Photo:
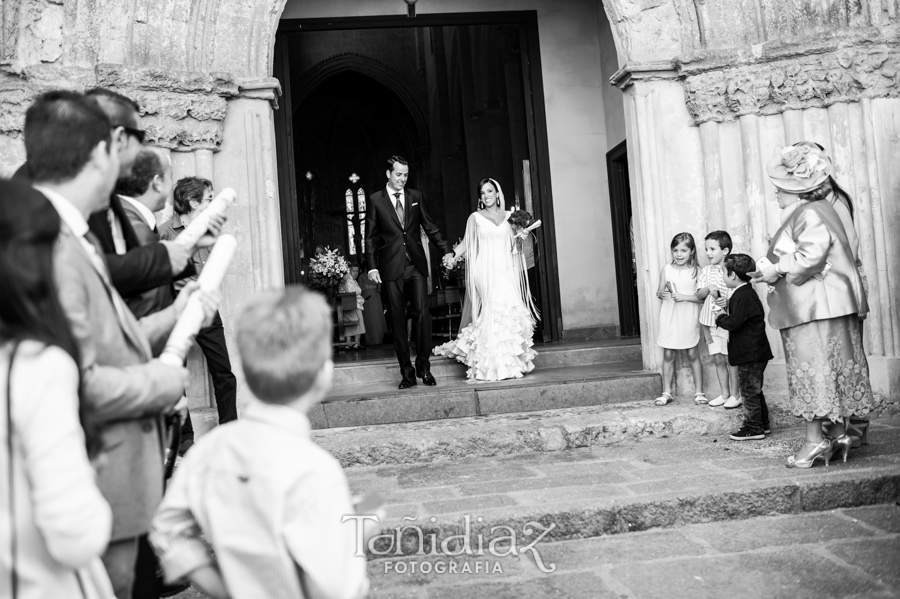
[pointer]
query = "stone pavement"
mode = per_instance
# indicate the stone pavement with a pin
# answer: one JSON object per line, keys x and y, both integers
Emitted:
{"x": 824, "y": 555}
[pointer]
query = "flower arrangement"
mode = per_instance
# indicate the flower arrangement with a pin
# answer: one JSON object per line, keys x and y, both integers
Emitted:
{"x": 327, "y": 269}
{"x": 803, "y": 161}
{"x": 452, "y": 265}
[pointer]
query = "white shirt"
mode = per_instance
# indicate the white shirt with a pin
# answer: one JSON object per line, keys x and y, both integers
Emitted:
{"x": 63, "y": 521}
{"x": 268, "y": 499}
{"x": 118, "y": 236}
{"x": 145, "y": 212}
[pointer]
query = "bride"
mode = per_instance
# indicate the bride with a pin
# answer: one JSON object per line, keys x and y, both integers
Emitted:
{"x": 495, "y": 339}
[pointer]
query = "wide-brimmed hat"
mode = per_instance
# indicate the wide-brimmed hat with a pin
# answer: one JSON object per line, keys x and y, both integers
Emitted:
{"x": 799, "y": 168}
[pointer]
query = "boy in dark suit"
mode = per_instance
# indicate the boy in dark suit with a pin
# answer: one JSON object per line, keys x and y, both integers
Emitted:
{"x": 748, "y": 346}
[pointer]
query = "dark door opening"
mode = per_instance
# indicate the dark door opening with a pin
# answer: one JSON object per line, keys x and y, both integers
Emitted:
{"x": 459, "y": 96}
{"x": 623, "y": 240}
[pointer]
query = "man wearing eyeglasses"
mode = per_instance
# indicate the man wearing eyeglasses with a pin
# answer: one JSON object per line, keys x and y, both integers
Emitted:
{"x": 133, "y": 268}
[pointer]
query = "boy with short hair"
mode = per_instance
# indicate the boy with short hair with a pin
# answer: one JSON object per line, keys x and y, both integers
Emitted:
{"x": 748, "y": 346}
{"x": 269, "y": 501}
{"x": 711, "y": 285}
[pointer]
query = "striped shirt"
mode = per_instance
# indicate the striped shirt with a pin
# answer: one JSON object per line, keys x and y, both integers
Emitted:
{"x": 712, "y": 275}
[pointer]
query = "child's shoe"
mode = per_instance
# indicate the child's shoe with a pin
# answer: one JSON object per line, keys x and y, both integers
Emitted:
{"x": 700, "y": 398}
{"x": 732, "y": 402}
{"x": 715, "y": 403}
{"x": 747, "y": 434}
{"x": 664, "y": 399}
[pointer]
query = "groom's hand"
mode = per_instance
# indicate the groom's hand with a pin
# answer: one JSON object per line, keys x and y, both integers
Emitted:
{"x": 374, "y": 276}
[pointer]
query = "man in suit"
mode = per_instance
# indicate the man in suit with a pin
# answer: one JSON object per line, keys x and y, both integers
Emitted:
{"x": 73, "y": 160}
{"x": 142, "y": 193}
{"x": 134, "y": 267}
{"x": 397, "y": 260}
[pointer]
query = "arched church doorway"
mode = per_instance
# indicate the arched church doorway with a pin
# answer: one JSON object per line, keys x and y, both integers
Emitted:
{"x": 345, "y": 128}
{"x": 460, "y": 96}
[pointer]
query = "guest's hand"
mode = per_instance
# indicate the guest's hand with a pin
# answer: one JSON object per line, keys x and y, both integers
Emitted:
{"x": 768, "y": 274}
{"x": 374, "y": 276}
{"x": 721, "y": 302}
{"x": 178, "y": 256}
{"x": 664, "y": 295}
{"x": 210, "y": 301}
{"x": 181, "y": 408}
{"x": 181, "y": 299}
{"x": 216, "y": 222}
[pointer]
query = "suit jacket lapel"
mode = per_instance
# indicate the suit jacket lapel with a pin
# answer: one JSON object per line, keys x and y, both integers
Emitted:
{"x": 127, "y": 325}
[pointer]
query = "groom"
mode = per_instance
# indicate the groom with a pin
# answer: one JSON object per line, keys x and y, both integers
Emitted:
{"x": 397, "y": 260}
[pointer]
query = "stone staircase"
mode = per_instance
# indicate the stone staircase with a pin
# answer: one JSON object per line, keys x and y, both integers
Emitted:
{"x": 577, "y": 445}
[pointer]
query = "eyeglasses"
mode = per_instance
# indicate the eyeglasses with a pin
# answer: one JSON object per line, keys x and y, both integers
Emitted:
{"x": 138, "y": 134}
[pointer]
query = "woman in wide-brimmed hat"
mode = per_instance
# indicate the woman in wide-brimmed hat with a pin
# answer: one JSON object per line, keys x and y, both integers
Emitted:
{"x": 815, "y": 300}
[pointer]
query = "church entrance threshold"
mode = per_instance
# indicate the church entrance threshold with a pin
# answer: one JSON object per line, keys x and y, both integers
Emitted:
{"x": 566, "y": 375}
{"x": 460, "y": 96}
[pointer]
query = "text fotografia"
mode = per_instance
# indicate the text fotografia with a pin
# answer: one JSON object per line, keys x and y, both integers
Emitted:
{"x": 412, "y": 566}
{"x": 503, "y": 541}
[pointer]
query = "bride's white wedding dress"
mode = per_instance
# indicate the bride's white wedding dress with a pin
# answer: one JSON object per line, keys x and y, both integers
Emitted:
{"x": 496, "y": 343}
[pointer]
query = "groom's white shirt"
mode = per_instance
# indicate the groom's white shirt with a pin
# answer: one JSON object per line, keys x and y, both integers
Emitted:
{"x": 393, "y": 200}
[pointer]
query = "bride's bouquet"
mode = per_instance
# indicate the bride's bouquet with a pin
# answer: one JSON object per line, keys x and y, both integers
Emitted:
{"x": 522, "y": 224}
{"x": 454, "y": 266}
{"x": 327, "y": 269}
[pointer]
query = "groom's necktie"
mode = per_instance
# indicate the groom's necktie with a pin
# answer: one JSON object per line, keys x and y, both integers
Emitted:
{"x": 398, "y": 205}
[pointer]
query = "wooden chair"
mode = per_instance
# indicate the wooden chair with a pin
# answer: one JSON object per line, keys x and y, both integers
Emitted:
{"x": 340, "y": 303}
{"x": 447, "y": 308}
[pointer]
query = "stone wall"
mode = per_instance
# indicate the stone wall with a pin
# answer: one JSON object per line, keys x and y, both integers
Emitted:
{"x": 709, "y": 88}
{"x": 702, "y": 126}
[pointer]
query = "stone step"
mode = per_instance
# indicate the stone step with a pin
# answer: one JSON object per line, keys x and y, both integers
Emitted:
{"x": 629, "y": 487}
{"x": 541, "y": 431}
{"x": 543, "y": 389}
{"x": 385, "y": 369}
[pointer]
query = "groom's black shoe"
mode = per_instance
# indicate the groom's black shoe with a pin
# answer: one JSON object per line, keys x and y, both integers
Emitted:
{"x": 428, "y": 379}
{"x": 409, "y": 379}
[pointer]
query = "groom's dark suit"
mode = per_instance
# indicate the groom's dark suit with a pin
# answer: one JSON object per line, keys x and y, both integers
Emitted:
{"x": 395, "y": 250}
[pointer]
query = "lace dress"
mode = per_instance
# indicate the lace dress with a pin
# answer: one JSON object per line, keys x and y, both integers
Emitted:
{"x": 497, "y": 343}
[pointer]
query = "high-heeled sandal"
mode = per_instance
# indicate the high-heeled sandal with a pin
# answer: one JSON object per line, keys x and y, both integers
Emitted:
{"x": 842, "y": 444}
{"x": 858, "y": 430}
{"x": 822, "y": 450}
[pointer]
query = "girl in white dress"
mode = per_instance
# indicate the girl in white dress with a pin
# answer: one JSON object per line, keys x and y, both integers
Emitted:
{"x": 679, "y": 318}
{"x": 495, "y": 339}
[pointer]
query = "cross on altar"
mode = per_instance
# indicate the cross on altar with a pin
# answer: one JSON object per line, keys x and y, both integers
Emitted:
{"x": 354, "y": 178}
